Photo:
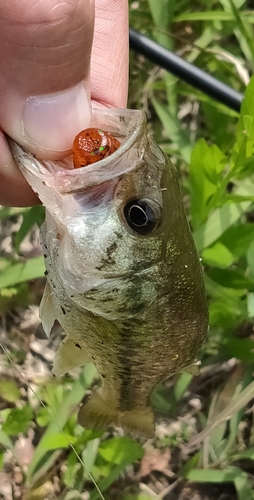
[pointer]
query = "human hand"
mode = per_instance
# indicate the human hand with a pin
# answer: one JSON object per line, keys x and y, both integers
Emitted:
{"x": 45, "y": 78}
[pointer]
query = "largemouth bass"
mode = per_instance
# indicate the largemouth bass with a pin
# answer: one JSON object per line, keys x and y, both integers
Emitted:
{"x": 123, "y": 275}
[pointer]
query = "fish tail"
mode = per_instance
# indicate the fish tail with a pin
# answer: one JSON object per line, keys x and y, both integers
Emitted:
{"x": 140, "y": 422}
{"x": 97, "y": 413}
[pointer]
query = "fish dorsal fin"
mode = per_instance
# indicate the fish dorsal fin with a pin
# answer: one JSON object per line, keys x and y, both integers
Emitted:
{"x": 47, "y": 310}
{"x": 69, "y": 355}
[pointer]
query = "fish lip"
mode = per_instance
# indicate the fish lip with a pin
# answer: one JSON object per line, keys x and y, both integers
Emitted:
{"x": 60, "y": 174}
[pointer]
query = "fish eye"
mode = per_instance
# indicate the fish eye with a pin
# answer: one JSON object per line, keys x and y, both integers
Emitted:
{"x": 140, "y": 216}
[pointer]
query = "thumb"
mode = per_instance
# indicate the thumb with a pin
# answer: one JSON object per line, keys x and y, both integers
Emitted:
{"x": 45, "y": 55}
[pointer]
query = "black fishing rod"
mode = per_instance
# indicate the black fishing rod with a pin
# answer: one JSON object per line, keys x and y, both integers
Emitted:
{"x": 185, "y": 70}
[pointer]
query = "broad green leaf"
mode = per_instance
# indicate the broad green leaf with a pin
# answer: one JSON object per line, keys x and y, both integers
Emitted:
{"x": 181, "y": 385}
{"x": 233, "y": 313}
{"x": 217, "y": 223}
{"x": 19, "y": 420}
{"x": 234, "y": 309}
{"x": 238, "y": 239}
{"x": 214, "y": 163}
{"x": 117, "y": 449}
{"x": 205, "y": 169}
{"x": 161, "y": 12}
{"x": 17, "y": 272}
{"x": 4, "y": 264}
{"x": 230, "y": 278}
{"x": 234, "y": 198}
{"x": 248, "y": 124}
{"x": 247, "y": 110}
{"x": 7, "y": 212}
{"x": 35, "y": 215}
{"x": 58, "y": 440}
{"x": 12, "y": 297}
{"x": 192, "y": 463}
{"x": 5, "y": 441}
{"x": 9, "y": 390}
{"x": 43, "y": 418}
{"x": 223, "y": 218}
{"x": 218, "y": 255}
{"x": 241, "y": 158}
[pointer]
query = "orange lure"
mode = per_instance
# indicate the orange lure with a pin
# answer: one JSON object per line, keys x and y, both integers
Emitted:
{"x": 92, "y": 145}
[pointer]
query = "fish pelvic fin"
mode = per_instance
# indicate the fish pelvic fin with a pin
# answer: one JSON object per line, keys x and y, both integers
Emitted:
{"x": 96, "y": 413}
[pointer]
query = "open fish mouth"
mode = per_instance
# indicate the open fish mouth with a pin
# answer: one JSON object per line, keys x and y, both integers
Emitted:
{"x": 126, "y": 125}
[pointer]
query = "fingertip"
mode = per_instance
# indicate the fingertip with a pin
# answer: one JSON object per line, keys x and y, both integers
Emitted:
{"x": 14, "y": 189}
{"x": 50, "y": 123}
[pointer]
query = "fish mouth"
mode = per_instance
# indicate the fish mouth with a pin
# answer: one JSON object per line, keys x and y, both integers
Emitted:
{"x": 128, "y": 126}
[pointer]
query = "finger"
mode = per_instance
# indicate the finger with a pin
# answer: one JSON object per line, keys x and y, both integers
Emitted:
{"x": 44, "y": 78}
{"x": 110, "y": 53}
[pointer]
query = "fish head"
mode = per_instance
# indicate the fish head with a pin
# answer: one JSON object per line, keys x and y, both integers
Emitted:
{"x": 111, "y": 227}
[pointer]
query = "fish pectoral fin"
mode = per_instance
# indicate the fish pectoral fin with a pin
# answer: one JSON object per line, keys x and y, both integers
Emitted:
{"x": 192, "y": 369}
{"x": 47, "y": 311}
{"x": 69, "y": 355}
{"x": 98, "y": 413}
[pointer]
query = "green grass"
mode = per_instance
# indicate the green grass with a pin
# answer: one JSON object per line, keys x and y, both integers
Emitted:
{"x": 212, "y": 148}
